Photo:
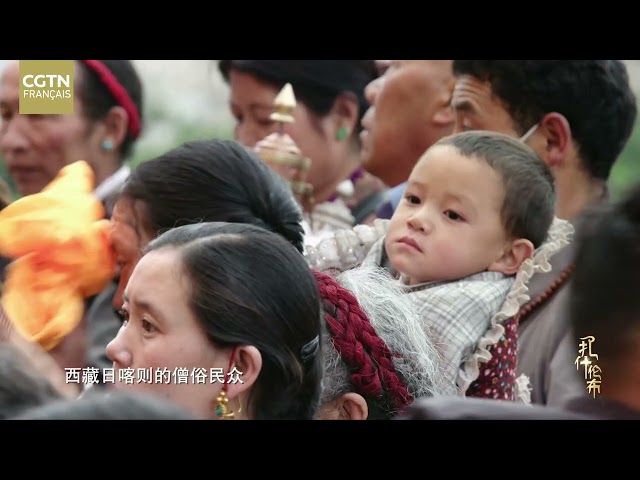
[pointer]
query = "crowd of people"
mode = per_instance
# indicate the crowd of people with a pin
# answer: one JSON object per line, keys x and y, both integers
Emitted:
{"x": 457, "y": 255}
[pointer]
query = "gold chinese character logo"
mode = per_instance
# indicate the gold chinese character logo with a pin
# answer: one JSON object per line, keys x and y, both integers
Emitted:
{"x": 587, "y": 360}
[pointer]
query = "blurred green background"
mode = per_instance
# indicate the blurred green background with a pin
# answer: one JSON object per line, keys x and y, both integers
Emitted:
{"x": 626, "y": 171}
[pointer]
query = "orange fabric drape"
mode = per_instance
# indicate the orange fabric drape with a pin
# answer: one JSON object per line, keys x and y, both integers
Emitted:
{"x": 60, "y": 242}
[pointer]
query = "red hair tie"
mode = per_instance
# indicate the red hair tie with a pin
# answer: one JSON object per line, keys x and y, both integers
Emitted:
{"x": 116, "y": 89}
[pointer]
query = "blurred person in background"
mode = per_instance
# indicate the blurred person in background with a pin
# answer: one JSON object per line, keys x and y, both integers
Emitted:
{"x": 112, "y": 406}
{"x": 410, "y": 111}
{"x": 330, "y": 105}
{"x": 21, "y": 384}
{"x": 604, "y": 310}
{"x": 103, "y": 130}
{"x": 577, "y": 115}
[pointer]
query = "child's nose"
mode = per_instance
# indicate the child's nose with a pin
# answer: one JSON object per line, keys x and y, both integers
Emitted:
{"x": 421, "y": 221}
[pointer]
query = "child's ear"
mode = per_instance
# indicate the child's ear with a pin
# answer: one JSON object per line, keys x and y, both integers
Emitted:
{"x": 514, "y": 256}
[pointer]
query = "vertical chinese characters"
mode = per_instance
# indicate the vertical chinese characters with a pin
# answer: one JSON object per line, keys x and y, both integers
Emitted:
{"x": 587, "y": 359}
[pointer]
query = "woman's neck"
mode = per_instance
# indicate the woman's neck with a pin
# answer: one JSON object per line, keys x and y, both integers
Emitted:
{"x": 327, "y": 192}
{"x": 104, "y": 169}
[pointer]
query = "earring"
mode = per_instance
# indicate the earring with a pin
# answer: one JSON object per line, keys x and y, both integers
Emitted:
{"x": 342, "y": 133}
{"x": 222, "y": 407}
{"x": 222, "y": 401}
{"x": 107, "y": 145}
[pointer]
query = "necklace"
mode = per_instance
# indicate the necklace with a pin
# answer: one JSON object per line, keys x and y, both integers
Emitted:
{"x": 528, "y": 308}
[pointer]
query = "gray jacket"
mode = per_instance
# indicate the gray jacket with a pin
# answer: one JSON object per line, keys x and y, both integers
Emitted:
{"x": 546, "y": 349}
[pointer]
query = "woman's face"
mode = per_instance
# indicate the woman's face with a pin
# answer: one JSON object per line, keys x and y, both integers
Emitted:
{"x": 162, "y": 347}
{"x": 251, "y": 104}
{"x": 35, "y": 147}
{"x": 128, "y": 238}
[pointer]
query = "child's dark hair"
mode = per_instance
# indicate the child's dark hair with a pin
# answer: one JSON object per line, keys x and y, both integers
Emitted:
{"x": 529, "y": 200}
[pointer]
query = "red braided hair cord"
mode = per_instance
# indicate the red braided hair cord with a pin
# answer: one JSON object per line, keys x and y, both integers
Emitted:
{"x": 359, "y": 345}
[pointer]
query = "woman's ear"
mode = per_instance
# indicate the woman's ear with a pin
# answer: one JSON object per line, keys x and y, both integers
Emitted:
{"x": 115, "y": 124}
{"x": 345, "y": 115}
{"x": 514, "y": 256}
{"x": 245, "y": 370}
{"x": 352, "y": 406}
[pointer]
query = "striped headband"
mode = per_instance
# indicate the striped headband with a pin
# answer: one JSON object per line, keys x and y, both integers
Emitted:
{"x": 118, "y": 92}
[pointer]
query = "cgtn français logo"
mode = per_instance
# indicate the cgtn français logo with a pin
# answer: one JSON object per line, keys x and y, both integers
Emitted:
{"x": 46, "y": 86}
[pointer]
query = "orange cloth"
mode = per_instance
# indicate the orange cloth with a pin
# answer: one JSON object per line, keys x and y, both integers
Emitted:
{"x": 60, "y": 242}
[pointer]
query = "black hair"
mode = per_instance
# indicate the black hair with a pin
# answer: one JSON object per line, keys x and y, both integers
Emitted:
{"x": 249, "y": 286}
{"x": 316, "y": 83}
{"x": 595, "y": 96}
{"x": 529, "y": 201}
{"x": 603, "y": 300}
{"x": 214, "y": 181}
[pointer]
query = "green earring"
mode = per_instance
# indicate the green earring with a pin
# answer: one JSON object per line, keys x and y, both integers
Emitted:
{"x": 107, "y": 145}
{"x": 342, "y": 133}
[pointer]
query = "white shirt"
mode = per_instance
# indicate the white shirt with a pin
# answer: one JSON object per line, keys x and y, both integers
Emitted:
{"x": 112, "y": 183}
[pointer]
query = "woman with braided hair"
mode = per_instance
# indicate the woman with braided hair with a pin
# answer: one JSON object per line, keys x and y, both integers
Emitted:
{"x": 378, "y": 358}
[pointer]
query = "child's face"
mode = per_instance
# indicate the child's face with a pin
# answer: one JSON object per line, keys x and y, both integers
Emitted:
{"x": 448, "y": 225}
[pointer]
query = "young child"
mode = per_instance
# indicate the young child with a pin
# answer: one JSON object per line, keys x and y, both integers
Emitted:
{"x": 477, "y": 206}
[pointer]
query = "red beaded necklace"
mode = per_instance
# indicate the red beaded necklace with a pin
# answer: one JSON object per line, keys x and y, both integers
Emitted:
{"x": 526, "y": 310}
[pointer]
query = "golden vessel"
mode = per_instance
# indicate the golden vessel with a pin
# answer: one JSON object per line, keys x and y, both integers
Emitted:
{"x": 281, "y": 153}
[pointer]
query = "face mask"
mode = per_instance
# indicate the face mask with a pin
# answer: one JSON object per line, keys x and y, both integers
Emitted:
{"x": 530, "y": 132}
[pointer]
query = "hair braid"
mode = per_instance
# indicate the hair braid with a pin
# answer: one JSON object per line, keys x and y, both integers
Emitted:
{"x": 358, "y": 343}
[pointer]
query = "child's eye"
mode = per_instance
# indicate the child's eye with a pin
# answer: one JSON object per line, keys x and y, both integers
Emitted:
{"x": 412, "y": 199}
{"x": 455, "y": 216}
